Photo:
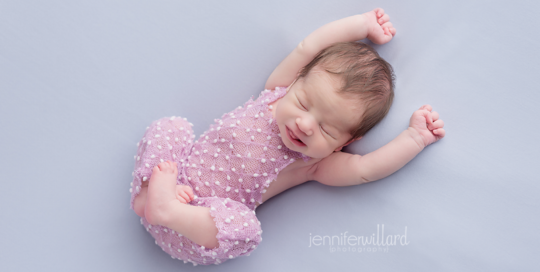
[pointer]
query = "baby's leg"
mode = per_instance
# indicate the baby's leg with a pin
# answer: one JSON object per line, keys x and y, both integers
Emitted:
{"x": 164, "y": 209}
{"x": 207, "y": 230}
{"x": 165, "y": 139}
{"x": 139, "y": 203}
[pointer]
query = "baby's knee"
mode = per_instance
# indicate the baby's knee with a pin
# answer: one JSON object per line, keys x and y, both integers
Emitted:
{"x": 169, "y": 134}
{"x": 173, "y": 124}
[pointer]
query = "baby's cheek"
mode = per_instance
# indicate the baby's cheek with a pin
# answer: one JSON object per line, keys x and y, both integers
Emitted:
{"x": 321, "y": 150}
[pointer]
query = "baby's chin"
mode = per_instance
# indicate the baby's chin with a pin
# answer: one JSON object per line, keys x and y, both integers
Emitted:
{"x": 304, "y": 150}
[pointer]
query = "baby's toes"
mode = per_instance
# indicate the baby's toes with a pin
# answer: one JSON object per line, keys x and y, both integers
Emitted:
{"x": 166, "y": 167}
{"x": 179, "y": 193}
{"x": 184, "y": 196}
{"x": 156, "y": 169}
{"x": 173, "y": 167}
{"x": 162, "y": 166}
{"x": 189, "y": 191}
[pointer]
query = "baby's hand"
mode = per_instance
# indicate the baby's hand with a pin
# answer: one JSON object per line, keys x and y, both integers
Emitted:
{"x": 380, "y": 29}
{"x": 184, "y": 193}
{"x": 427, "y": 124}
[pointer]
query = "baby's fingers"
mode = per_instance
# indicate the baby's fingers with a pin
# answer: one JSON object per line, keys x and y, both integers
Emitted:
{"x": 385, "y": 18}
{"x": 387, "y": 28}
{"x": 435, "y": 115}
{"x": 388, "y": 25}
{"x": 426, "y": 107}
{"x": 428, "y": 117}
{"x": 379, "y": 12}
{"x": 439, "y": 132}
{"x": 437, "y": 124}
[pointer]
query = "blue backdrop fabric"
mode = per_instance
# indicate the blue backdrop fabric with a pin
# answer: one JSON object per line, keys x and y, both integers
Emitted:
{"x": 81, "y": 80}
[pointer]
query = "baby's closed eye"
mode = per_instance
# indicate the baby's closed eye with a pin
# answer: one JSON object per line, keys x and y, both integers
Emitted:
{"x": 302, "y": 105}
{"x": 325, "y": 131}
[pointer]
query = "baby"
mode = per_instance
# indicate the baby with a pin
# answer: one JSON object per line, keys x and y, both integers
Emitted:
{"x": 198, "y": 199}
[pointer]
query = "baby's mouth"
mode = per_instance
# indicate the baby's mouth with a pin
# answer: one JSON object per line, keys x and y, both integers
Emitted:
{"x": 295, "y": 139}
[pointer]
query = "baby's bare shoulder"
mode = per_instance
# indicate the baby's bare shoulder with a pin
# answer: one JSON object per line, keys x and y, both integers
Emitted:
{"x": 294, "y": 174}
{"x": 300, "y": 170}
{"x": 336, "y": 170}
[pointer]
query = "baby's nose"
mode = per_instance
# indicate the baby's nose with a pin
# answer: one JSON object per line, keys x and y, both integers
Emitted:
{"x": 303, "y": 125}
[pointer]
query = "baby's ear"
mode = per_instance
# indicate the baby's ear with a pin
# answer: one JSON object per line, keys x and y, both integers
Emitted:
{"x": 352, "y": 140}
{"x": 347, "y": 143}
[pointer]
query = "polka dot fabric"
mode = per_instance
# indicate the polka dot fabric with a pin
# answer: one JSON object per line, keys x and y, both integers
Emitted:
{"x": 229, "y": 168}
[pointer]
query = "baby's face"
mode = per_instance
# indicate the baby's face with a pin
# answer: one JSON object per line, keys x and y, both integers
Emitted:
{"x": 313, "y": 118}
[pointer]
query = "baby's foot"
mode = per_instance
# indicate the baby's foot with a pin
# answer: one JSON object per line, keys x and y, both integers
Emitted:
{"x": 140, "y": 201}
{"x": 161, "y": 193}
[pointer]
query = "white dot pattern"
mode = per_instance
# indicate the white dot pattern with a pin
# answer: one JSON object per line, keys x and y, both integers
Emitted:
{"x": 229, "y": 167}
{"x": 237, "y": 161}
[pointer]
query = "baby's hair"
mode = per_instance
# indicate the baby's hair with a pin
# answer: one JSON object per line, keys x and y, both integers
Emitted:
{"x": 364, "y": 74}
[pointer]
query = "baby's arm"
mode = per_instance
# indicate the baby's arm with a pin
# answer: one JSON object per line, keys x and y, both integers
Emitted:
{"x": 374, "y": 25}
{"x": 343, "y": 169}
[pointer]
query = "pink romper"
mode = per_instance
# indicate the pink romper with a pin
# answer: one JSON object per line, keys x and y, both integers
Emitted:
{"x": 229, "y": 168}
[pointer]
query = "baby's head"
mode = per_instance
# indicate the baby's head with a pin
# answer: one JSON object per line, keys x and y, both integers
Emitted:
{"x": 337, "y": 98}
